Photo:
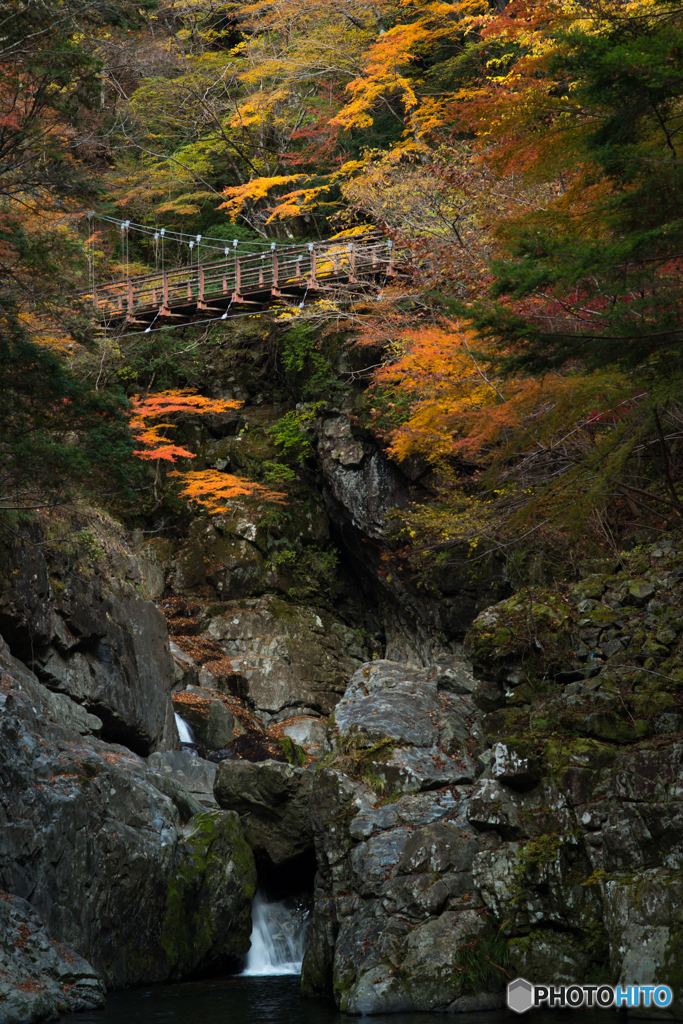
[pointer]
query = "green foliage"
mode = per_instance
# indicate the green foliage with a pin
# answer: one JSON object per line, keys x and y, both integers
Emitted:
{"x": 54, "y": 428}
{"x": 306, "y": 366}
{"x": 483, "y": 961}
{"x": 277, "y": 475}
{"x": 88, "y": 540}
{"x": 293, "y": 431}
{"x": 315, "y": 570}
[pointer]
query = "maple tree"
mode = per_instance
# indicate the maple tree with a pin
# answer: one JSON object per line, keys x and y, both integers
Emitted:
{"x": 510, "y": 453}
{"x": 210, "y": 489}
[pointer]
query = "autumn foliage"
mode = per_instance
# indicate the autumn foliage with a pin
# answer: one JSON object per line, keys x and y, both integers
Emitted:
{"x": 210, "y": 489}
{"x": 523, "y": 157}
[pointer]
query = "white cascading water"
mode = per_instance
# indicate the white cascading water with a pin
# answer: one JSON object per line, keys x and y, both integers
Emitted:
{"x": 184, "y": 732}
{"x": 278, "y": 939}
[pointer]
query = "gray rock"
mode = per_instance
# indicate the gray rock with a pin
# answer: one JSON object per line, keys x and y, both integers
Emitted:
{"x": 185, "y": 671}
{"x": 71, "y": 715}
{"x": 142, "y": 899}
{"x": 423, "y": 896}
{"x": 639, "y": 593}
{"x": 97, "y": 642}
{"x": 284, "y": 658}
{"x": 369, "y": 942}
{"x": 57, "y": 707}
{"x": 399, "y": 715}
{"x": 455, "y": 677}
{"x": 612, "y": 647}
{"x": 489, "y": 696}
{"x": 643, "y": 918}
{"x": 379, "y": 990}
{"x": 212, "y": 556}
{"x": 429, "y": 967}
{"x": 374, "y": 861}
{"x": 309, "y": 733}
{"x": 437, "y": 848}
{"x": 413, "y": 811}
{"x": 335, "y": 798}
{"x": 669, "y": 723}
{"x": 382, "y": 675}
{"x": 549, "y": 954}
{"x": 195, "y": 774}
{"x": 126, "y": 680}
{"x": 360, "y": 482}
{"x": 509, "y": 768}
{"x": 318, "y": 964}
{"x": 186, "y": 804}
{"x": 410, "y": 769}
{"x": 493, "y": 806}
{"x": 273, "y": 800}
{"x": 496, "y": 876}
{"x": 39, "y": 978}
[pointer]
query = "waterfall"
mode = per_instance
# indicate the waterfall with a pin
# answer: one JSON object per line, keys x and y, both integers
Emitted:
{"x": 278, "y": 938}
{"x": 184, "y": 731}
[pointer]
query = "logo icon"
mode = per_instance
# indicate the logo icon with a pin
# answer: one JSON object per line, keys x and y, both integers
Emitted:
{"x": 520, "y": 995}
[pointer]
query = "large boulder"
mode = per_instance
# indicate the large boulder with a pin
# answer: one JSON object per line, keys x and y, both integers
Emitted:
{"x": 284, "y": 660}
{"x": 230, "y": 564}
{"x": 140, "y": 895}
{"x": 186, "y": 769}
{"x": 273, "y": 800}
{"x": 423, "y": 735}
{"x": 308, "y": 733}
{"x": 91, "y": 636}
{"x": 395, "y": 905}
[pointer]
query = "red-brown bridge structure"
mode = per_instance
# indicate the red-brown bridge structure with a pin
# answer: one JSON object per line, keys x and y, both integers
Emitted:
{"x": 249, "y": 283}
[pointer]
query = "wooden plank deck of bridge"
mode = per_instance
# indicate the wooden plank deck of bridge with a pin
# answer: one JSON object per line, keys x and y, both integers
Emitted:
{"x": 240, "y": 283}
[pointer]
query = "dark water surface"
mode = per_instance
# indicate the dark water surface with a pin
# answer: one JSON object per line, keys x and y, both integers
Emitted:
{"x": 240, "y": 1000}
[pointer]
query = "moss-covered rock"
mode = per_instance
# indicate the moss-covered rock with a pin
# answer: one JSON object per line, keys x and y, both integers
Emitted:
{"x": 208, "y": 902}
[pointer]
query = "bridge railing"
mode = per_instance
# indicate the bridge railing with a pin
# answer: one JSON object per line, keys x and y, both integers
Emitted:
{"x": 294, "y": 267}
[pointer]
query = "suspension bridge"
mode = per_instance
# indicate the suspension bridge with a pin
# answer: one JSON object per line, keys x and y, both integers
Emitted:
{"x": 252, "y": 282}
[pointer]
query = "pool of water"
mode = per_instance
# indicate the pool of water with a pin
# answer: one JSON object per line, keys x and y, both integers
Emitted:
{"x": 272, "y": 1000}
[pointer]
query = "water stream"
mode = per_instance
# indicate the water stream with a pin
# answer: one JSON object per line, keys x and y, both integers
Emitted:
{"x": 278, "y": 937}
{"x": 184, "y": 732}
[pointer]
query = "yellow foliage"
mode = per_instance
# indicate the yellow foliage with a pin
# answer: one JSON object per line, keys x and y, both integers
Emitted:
{"x": 253, "y": 191}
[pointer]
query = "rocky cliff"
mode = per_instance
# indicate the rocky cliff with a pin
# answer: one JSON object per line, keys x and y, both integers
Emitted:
{"x": 112, "y": 872}
{"x": 457, "y": 814}
{"x": 520, "y": 820}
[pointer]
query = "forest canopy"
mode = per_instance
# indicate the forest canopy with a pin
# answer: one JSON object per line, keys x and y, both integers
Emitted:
{"x": 524, "y": 160}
